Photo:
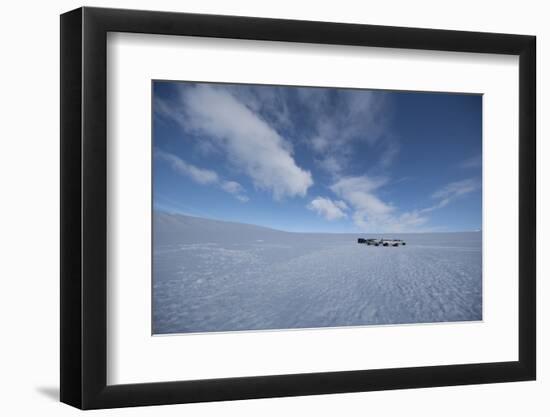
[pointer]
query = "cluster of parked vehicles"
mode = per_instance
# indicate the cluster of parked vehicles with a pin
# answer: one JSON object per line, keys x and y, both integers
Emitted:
{"x": 381, "y": 242}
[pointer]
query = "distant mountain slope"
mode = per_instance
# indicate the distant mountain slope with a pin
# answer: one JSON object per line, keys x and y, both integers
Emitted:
{"x": 179, "y": 228}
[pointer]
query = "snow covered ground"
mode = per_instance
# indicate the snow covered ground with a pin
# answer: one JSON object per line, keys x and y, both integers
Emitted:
{"x": 211, "y": 276}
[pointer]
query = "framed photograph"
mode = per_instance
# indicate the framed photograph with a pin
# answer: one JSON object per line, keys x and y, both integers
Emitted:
{"x": 259, "y": 208}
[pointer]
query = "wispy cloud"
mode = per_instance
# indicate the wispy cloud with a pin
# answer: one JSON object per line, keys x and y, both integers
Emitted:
{"x": 331, "y": 164}
{"x": 199, "y": 175}
{"x": 359, "y": 192}
{"x": 251, "y": 144}
{"x": 345, "y": 119}
{"x": 202, "y": 176}
{"x": 372, "y": 214}
{"x": 329, "y": 209}
{"x": 233, "y": 187}
{"x": 269, "y": 102}
{"x": 456, "y": 189}
{"x": 472, "y": 162}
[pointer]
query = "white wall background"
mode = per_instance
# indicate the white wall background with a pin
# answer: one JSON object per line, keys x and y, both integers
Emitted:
{"x": 29, "y": 237}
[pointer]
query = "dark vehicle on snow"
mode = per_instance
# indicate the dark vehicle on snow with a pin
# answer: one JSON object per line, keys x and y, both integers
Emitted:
{"x": 383, "y": 242}
{"x": 369, "y": 242}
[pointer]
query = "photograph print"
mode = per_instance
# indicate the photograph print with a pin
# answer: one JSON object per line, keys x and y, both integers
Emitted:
{"x": 293, "y": 207}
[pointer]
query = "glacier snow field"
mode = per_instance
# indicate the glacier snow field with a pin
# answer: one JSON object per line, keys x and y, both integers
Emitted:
{"x": 217, "y": 276}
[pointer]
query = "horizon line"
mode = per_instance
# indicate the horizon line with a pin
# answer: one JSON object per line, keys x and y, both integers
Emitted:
{"x": 162, "y": 211}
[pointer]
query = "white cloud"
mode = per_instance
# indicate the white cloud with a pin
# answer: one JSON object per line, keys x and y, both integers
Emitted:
{"x": 457, "y": 189}
{"x": 319, "y": 143}
{"x": 451, "y": 192}
{"x": 372, "y": 214}
{"x": 202, "y": 176}
{"x": 242, "y": 198}
{"x": 329, "y": 209}
{"x": 341, "y": 204}
{"x": 473, "y": 162}
{"x": 345, "y": 118}
{"x": 233, "y": 187}
{"x": 389, "y": 153}
{"x": 249, "y": 142}
{"x": 269, "y": 101}
{"x": 359, "y": 192}
{"x": 331, "y": 164}
{"x": 199, "y": 175}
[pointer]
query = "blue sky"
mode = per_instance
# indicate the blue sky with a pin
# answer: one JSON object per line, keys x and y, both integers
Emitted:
{"x": 318, "y": 159}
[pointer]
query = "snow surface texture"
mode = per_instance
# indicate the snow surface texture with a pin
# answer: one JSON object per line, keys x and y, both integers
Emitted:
{"x": 215, "y": 276}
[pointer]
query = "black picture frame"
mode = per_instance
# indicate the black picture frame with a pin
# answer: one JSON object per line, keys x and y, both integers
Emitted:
{"x": 84, "y": 207}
